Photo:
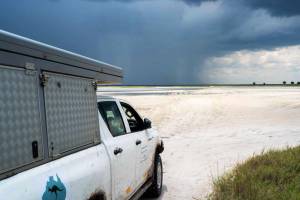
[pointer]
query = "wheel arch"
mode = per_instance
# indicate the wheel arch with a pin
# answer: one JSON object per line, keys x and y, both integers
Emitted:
{"x": 99, "y": 195}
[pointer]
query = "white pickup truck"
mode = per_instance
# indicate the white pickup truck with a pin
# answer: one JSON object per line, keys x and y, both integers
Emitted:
{"x": 59, "y": 140}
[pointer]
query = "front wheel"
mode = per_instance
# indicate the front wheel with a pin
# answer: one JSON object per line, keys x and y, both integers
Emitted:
{"x": 157, "y": 178}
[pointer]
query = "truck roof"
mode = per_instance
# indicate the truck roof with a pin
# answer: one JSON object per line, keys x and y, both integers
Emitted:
{"x": 105, "y": 97}
{"x": 17, "y": 44}
{"x": 110, "y": 98}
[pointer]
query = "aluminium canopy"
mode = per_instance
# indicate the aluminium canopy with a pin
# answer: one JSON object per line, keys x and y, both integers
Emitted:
{"x": 54, "y": 59}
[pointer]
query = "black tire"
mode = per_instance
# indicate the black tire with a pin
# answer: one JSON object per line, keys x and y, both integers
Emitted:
{"x": 155, "y": 190}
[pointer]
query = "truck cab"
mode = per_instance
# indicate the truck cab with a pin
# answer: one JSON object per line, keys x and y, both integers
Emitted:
{"x": 132, "y": 145}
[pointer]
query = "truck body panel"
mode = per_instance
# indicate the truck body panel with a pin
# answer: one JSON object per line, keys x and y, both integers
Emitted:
{"x": 78, "y": 175}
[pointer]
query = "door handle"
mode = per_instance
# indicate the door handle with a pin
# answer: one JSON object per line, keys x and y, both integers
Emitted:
{"x": 118, "y": 150}
{"x": 138, "y": 142}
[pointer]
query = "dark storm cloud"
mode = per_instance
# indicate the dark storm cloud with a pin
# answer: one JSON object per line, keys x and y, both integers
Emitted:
{"x": 157, "y": 42}
{"x": 277, "y": 7}
{"x": 195, "y": 2}
{"x": 186, "y": 1}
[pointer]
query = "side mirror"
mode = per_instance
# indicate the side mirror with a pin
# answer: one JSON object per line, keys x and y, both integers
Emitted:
{"x": 147, "y": 123}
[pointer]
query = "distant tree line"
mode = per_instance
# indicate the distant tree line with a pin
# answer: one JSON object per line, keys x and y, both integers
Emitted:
{"x": 283, "y": 83}
{"x": 292, "y": 83}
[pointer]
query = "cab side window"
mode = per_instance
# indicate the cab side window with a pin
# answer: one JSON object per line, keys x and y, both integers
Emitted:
{"x": 112, "y": 116}
{"x": 134, "y": 120}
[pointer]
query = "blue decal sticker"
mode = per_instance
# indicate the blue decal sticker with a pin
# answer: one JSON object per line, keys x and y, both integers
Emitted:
{"x": 55, "y": 189}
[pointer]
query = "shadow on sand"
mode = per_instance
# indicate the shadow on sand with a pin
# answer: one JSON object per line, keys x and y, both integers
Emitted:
{"x": 164, "y": 190}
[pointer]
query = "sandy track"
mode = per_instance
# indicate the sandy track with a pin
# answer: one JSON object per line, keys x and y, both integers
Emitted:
{"x": 206, "y": 131}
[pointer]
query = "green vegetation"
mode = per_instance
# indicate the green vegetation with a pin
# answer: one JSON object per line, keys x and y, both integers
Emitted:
{"x": 274, "y": 175}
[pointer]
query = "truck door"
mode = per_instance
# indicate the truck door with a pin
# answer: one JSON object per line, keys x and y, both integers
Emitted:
{"x": 21, "y": 139}
{"x": 143, "y": 142}
{"x": 122, "y": 150}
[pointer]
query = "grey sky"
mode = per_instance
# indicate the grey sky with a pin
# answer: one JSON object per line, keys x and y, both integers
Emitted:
{"x": 160, "y": 41}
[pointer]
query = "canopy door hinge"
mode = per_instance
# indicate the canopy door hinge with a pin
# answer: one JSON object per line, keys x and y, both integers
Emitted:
{"x": 95, "y": 85}
{"x": 44, "y": 79}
